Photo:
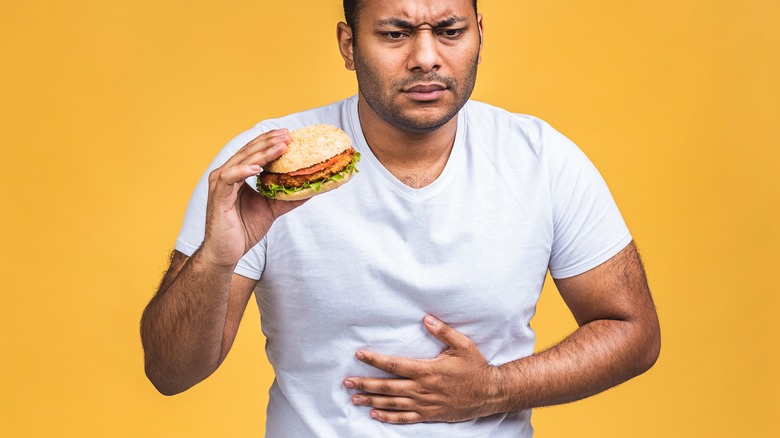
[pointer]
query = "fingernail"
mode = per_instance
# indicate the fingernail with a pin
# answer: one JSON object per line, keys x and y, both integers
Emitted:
{"x": 374, "y": 415}
{"x": 360, "y": 355}
{"x": 431, "y": 321}
{"x": 357, "y": 400}
{"x": 349, "y": 384}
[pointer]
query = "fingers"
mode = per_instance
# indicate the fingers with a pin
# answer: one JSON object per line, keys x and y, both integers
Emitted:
{"x": 439, "y": 389}
{"x": 390, "y": 409}
{"x": 389, "y": 394}
{"x": 393, "y": 387}
{"x": 383, "y": 402}
{"x": 399, "y": 366}
{"x": 227, "y": 176}
{"x": 262, "y": 149}
{"x": 399, "y": 417}
{"x": 248, "y": 161}
{"x": 446, "y": 334}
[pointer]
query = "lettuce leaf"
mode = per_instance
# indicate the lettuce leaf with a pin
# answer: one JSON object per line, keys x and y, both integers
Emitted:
{"x": 270, "y": 191}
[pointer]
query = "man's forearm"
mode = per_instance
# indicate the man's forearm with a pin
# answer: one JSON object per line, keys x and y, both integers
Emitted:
{"x": 596, "y": 357}
{"x": 183, "y": 326}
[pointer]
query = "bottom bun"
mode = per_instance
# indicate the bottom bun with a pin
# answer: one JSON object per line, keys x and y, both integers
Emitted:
{"x": 309, "y": 192}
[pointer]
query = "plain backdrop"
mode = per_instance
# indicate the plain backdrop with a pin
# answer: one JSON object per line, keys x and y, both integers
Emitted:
{"x": 111, "y": 110}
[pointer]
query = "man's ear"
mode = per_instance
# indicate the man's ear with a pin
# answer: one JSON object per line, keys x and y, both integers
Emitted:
{"x": 344, "y": 35}
{"x": 481, "y": 36}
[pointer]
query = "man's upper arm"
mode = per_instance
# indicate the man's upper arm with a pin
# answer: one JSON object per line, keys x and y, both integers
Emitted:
{"x": 617, "y": 289}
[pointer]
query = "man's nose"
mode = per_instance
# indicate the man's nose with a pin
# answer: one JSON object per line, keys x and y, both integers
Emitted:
{"x": 424, "y": 54}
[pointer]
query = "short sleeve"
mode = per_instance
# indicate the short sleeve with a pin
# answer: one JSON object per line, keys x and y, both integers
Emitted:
{"x": 193, "y": 227}
{"x": 588, "y": 228}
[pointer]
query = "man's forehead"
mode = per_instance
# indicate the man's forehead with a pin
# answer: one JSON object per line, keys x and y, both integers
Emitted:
{"x": 416, "y": 12}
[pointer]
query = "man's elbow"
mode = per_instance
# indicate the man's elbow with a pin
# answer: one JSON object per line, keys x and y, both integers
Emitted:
{"x": 167, "y": 383}
{"x": 650, "y": 347}
{"x": 162, "y": 385}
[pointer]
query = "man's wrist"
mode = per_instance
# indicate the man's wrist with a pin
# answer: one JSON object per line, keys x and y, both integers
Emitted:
{"x": 494, "y": 400}
{"x": 204, "y": 260}
{"x": 503, "y": 396}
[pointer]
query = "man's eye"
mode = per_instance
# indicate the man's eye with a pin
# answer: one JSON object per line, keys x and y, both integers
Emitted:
{"x": 451, "y": 33}
{"x": 394, "y": 35}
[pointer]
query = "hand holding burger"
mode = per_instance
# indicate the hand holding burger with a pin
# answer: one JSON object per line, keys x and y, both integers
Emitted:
{"x": 319, "y": 158}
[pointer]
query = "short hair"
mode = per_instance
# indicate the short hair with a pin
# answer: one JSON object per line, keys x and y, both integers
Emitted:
{"x": 351, "y": 9}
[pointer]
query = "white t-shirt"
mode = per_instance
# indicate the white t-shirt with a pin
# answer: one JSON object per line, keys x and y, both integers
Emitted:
{"x": 359, "y": 267}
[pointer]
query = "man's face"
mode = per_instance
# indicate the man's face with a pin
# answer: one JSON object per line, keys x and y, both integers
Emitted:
{"x": 416, "y": 60}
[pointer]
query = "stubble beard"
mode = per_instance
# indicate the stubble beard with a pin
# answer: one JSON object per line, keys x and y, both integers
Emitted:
{"x": 381, "y": 100}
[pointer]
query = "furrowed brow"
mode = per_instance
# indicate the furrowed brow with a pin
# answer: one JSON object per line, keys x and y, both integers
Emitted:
{"x": 395, "y": 22}
{"x": 449, "y": 22}
{"x": 404, "y": 24}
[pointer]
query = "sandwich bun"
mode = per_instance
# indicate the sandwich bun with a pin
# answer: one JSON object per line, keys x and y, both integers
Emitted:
{"x": 318, "y": 159}
{"x": 310, "y": 145}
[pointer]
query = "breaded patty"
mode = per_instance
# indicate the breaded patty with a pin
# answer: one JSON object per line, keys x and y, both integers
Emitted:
{"x": 283, "y": 179}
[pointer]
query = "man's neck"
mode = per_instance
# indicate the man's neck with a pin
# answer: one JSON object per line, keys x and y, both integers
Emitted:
{"x": 416, "y": 159}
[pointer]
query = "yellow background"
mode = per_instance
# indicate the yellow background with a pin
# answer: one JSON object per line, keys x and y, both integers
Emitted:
{"x": 112, "y": 109}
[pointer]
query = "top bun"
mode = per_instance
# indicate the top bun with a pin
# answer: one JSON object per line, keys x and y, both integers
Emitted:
{"x": 310, "y": 145}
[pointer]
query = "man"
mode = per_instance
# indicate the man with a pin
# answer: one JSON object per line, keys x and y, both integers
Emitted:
{"x": 399, "y": 304}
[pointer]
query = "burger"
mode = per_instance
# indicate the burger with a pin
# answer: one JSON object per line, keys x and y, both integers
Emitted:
{"x": 318, "y": 159}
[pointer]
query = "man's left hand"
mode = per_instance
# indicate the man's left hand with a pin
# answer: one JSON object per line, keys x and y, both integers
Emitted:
{"x": 457, "y": 385}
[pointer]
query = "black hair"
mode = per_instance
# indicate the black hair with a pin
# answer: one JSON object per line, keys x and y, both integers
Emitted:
{"x": 351, "y": 9}
{"x": 350, "y": 12}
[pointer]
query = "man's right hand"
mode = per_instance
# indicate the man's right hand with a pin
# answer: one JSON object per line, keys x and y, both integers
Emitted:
{"x": 237, "y": 217}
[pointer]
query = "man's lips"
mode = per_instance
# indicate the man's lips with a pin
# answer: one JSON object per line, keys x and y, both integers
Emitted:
{"x": 425, "y": 92}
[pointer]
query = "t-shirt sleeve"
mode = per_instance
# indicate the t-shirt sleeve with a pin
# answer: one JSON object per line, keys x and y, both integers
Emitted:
{"x": 588, "y": 228}
{"x": 193, "y": 228}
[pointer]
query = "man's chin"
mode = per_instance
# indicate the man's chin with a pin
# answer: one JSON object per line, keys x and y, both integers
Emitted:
{"x": 423, "y": 119}
{"x": 419, "y": 125}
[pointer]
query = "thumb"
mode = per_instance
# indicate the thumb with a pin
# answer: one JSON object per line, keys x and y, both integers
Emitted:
{"x": 446, "y": 334}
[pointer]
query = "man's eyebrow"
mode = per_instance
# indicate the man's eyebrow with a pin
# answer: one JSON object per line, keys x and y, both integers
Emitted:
{"x": 395, "y": 22}
{"x": 451, "y": 21}
{"x": 404, "y": 24}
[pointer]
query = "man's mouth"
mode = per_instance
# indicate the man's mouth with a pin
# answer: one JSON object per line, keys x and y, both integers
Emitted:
{"x": 425, "y": 92}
